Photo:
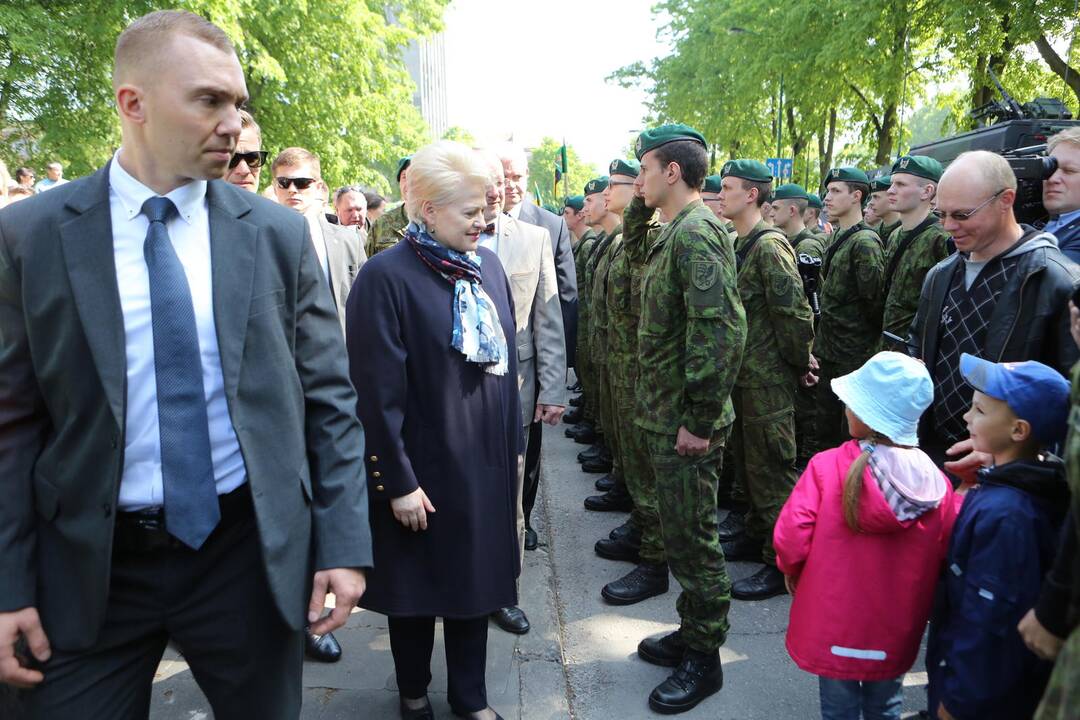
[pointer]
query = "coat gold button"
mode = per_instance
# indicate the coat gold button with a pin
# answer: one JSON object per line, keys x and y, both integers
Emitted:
{"x": 374, "y": 458}
{"x": 376, "y": 474}
{"x": 380, "y": 488}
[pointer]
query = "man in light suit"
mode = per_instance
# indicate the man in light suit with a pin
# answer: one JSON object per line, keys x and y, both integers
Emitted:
{"x": 298, "y": 184}
{"x": 516, "y": 204}
{"x": 180, "y": 458}
{"x": 526, "y": 256}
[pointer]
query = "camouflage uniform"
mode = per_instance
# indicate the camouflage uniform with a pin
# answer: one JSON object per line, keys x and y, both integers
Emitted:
{"x": 779, "y": 333}
{"x": 583, "y": 364}
{"x": 852, "y": 274}
{"x": 927, "y": 245}
{"x": 387, "y": 230}
{"x": 885, "y": 231}
{"x": 806, "y": 242}
{"x": 624, "y": 312}
{"x": 592, "y": 372}
{"x": 690, "y": 344}
{"x": 598, "y": 346}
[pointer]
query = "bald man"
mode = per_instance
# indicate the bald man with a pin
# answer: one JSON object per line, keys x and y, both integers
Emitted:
{"x": 1004, "y": 296}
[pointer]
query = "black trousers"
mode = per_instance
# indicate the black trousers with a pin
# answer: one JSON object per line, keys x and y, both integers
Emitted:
{"x": 532, "y": 470}
{"x": 411, "y": 642}
{"x": 214, "y": 604}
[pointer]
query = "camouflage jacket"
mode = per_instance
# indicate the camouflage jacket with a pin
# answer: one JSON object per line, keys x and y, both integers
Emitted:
{"x": 584, "y": 297}
{"x": 807, "y": 243}
{"x": 885, "y": 231}
{"x": 624, "y": 293}
{"x": 852, "y": 275}
{"x": 779, "y": 322}
{"x": 905, "y": 269}
{"x": 693, "y": 328}
{"x": 387, "y": 230}
{"x": 598, "y": 312}
{"x": 575, "y": 246}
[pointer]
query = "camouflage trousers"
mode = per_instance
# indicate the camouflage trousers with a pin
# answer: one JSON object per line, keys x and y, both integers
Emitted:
{"x": 1061, "y": 701}
{"x": 608, "y": 419}
{"x": 686, "y": 501}
{"x": 763, "y": 446}
{"x": 831, "y": 425}
{"x": 634, "y": 460}
{"x": 805, "y": 416}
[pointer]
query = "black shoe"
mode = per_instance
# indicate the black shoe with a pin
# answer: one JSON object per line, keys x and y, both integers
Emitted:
{"x": 625, "y": 548}
{"x": 599, "y": 465}
{"x": 511, "y": 619}
{"x": 575, "y": 388}
{"x": 587, "y": 436}
{"x": 605, "y": 483}
{"x": 422, "y": 713}
{"x": 623, "y": 530}
{"x": 643, "y": 582}
{"x": 666, "y": 650}
{"x": 742, "y": 548}
{"x": 736, "y": 506}
{"x": 732, "y": 527}
{"x": 531, "y": 540}
{"x": 573, "y": 430}
{"x": 323, "y": 648}
{"x": 698, "y": 676}
{"x": 765, "y": 583}
{"x": 593, "y": 452}
{"x": 618, "y": 500}
{"x": 573, "y": 416}
{"x": 576, "y": 401}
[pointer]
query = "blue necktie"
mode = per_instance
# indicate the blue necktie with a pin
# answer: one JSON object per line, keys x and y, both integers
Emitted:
{"x": 191, "y": 503}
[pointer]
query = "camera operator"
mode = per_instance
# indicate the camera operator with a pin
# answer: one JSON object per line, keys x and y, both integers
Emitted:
{"x": 1061, "y": 192}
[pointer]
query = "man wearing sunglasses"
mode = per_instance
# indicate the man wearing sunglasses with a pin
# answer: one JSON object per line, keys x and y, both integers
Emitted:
{"x": 248, "y": 157}
{"x": 1003, "y": 296}
{"x": 298, "y": 185}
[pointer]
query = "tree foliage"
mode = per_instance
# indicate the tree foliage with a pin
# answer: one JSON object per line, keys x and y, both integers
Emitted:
{"x": 542, "y": 163}
{"x": 326, "y": 75}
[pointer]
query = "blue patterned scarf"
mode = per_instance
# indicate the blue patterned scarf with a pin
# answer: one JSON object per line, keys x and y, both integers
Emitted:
{"x": 478, "y": 334}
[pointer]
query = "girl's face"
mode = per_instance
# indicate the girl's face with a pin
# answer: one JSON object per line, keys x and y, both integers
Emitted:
{"x": 856, "y": 427}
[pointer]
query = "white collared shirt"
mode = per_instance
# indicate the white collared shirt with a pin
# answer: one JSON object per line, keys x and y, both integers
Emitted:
{"x": 491, "y": 241}
{"x": 189, "y": 230}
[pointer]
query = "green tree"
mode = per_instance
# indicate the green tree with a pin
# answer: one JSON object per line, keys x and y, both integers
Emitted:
{"x": 323, "y": 75}
{"x": 542, "y": 162}
{"x": 459, "y": 134}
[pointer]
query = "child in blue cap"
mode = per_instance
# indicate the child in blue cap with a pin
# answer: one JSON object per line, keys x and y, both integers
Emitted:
{"x": 1002, "y": 545}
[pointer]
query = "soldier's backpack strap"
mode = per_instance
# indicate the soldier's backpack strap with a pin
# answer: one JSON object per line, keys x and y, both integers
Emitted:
{"x": 836, "y": 245}
{"x": 744, "y": 251}
{"x": 909, "y": 238}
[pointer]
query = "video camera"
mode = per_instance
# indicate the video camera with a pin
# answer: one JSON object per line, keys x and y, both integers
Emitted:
{"x": 809, "y": 270}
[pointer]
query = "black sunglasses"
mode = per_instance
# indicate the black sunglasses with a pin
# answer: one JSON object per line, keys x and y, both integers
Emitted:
{"x": 300, "y": 182}
{"x": 254, "y": 159}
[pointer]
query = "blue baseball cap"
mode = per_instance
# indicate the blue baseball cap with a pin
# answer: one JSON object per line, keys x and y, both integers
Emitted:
{"x": 1037, "y": 393}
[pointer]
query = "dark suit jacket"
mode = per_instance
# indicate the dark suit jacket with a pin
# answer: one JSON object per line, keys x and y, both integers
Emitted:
{"x": 565, "y": 270}
{"x": 63, "y": 395}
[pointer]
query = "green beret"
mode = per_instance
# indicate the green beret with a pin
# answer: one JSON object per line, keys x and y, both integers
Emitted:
{"x": 577, "y": 202}
{"x": 655, "y": 137}
{"x": 790, "y": 191}
{"x": 401, "y": 165}
{"x": 712, "y": 184}
{"x": 624, "y": 167}
{"x": 752, "y": 170}
{"x": 846, "y": 174}
{"x": 815, "y": 201}
{"x": 596, "y": 185}
{"x": 919, "y": 166}
{"x": 880, "y": 183}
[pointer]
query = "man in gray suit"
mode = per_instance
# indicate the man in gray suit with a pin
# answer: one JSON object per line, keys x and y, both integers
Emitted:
{"x": 525, "y": 253}
{"x": 179, "y": 454}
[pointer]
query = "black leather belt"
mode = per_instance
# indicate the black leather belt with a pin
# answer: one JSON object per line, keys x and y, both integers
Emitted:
{"x": 143, "y": 531}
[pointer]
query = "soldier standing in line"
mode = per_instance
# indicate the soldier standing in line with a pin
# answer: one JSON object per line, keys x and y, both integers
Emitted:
{"x": 887, "y": 218}
{"x": 812, "y": 216}
{"x": 852, "y": 274}
{"x": 690, "y": 344}
{"x": 779, "y": 334}
{"x": 390, "y": 227}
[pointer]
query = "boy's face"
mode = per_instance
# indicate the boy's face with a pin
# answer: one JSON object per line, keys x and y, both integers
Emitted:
{"x": 993, "y": 425}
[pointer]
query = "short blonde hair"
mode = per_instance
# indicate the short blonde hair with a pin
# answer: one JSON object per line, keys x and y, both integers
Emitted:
{"x": 441, "y": 172}
{"x": 248, "y": 121}
{"x": 293, "y": 156}
{"x": 1069, "y": 135}
{"x": 143, "y": 39}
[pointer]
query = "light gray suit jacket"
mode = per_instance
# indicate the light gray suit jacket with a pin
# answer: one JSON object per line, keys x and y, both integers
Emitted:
{"x": 63, "y": 400}
{"x": 344, "y": 254}
{"x": 527, "y": 258}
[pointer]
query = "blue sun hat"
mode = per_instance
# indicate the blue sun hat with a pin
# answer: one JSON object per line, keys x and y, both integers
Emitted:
{"x": 889, "y": 393}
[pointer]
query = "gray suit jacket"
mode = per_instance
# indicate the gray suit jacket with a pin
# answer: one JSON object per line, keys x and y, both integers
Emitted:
{"x": 565, "y": 270}
{"x": 63, "y": 397}
{"x": 525, "y": 254}
{"x": 344, "y": 254}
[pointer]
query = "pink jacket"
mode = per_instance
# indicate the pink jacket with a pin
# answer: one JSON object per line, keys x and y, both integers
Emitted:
{"x": 862, "y": 599}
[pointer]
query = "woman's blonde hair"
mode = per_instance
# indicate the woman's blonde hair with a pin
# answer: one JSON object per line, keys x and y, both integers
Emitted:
{"x": 853, "y": 481}
{"x": 442, "y": 172}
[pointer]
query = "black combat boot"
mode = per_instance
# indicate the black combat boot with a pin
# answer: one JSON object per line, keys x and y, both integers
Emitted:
{"x": 698, "y": 676}
{"x": 606, "y": 483}
{"x": 742, "y": 547}
{"x": 765, "y": 583}
{"x": 615, "y": 500}
{"x": 625, "y": 547}
{"x": 643, "y": 582}
{"x": 666, "y": 650}
{"x": 732, "y": 526}
{"x": 573, "y": 416}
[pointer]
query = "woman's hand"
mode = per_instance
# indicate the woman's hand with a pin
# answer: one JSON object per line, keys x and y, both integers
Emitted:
{"x": 411, "y": 510}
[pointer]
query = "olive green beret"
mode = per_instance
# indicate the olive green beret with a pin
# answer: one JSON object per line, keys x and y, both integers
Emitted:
{"x": 401, "y": 165}
{"x": 752, "y": 170}
{"x": 880, "y": 183}
{"x": 847, "y": 174}
{"x": 919, "y": 166}
{"x": 577, "y": 202}
{"x": 655, "y": 137}
{"x": 712, "y": 184}
{"x": 596, "y": 185}
{"x": 624, "y": 167}
{"x": 815, "y": 201}
{"x": 790, "y": 191}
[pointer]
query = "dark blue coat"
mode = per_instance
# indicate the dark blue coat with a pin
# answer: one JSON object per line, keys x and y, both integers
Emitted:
{"x": 436, "y": 421}
{"x": 1002, "y": 545}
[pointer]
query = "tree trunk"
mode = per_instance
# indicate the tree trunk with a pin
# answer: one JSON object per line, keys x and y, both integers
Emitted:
{"x": 1058, "y": 66}
{"x": 885, "y": 134}
{"x": 985, "y": 91}
{"x": 825, "y": 148}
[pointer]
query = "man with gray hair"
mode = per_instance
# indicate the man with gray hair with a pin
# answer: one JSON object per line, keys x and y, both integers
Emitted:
{"x": 1061, "y": 192}
{"x": 1004, "y": 296}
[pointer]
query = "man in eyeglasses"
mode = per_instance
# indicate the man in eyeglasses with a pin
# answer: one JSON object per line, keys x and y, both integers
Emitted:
{"x": 1003, "y": 296}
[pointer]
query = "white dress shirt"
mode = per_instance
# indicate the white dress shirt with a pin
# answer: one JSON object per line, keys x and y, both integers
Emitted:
{"x": 189, "y": 231}
{"x": 491, "y": 240}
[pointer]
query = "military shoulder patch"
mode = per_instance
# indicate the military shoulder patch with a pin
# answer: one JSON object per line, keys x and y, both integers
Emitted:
{"x": 704, "y": 274}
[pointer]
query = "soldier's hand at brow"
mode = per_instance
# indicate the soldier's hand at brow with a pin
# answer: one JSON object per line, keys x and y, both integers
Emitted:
{"x": 13, "y": 625}
{"x": 687, "y": 443}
